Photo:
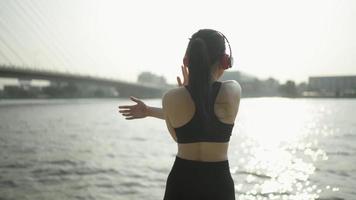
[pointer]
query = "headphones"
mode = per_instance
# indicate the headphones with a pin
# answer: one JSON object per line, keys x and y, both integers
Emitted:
{"x": 226, "y": 60}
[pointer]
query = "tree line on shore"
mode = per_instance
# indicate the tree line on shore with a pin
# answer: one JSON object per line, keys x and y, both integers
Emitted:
{"x": 251, "y": 87}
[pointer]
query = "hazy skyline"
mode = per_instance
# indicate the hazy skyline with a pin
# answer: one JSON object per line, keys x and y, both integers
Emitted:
{"x": 283, "y": 39}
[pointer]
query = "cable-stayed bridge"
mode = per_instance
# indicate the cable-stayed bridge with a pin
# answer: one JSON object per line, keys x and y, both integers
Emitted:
{"x": 63, "y": 36}
{"x": 123, "y": 88}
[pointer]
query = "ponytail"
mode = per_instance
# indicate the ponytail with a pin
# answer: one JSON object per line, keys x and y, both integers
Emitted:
{"x": 205, "y": 49}
{"x": 200, "y": 77}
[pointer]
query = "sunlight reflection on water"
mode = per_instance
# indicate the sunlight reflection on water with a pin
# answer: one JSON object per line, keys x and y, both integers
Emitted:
{"x": 278, "y": 150}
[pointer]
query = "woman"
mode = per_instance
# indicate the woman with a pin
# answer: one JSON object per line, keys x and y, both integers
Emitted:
{"x": 200, "y": 117}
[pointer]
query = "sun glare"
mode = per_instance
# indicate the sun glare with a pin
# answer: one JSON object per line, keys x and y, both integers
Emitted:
{"x": 277, "y": 156}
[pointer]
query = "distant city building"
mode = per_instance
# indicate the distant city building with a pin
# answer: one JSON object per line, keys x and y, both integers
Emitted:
{"x": 333, "y": 85}
{"x": 151, "y": 79}
{"x": 251, "y": 85}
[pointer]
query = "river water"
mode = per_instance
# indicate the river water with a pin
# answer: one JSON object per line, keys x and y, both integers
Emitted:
{"x": 83, "y": 149}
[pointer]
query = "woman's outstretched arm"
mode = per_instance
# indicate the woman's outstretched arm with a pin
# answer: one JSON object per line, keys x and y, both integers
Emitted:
{"x": 155, "y": 112}
{"x": 141, "y": 110}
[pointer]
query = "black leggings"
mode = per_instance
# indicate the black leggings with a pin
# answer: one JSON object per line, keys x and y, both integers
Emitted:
{"x": 199, "y": 180}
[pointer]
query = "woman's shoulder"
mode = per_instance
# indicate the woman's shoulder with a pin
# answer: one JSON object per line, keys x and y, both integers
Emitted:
{"x": 231, "y": 87}
{"x": 173, "y": 93}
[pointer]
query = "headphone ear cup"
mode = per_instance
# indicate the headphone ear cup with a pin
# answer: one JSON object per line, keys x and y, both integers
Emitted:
{"x": 225, "y": 61}
{"x": 231, "y": 61}
{"x": 185, "y": 61}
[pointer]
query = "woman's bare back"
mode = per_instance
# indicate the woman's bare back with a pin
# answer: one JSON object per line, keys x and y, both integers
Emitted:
{"x": 180, "y": 109}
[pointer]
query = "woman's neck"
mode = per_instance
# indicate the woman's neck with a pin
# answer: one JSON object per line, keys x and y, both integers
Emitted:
{"x": 214, "y": 78}
{"x": 216, "y": 74}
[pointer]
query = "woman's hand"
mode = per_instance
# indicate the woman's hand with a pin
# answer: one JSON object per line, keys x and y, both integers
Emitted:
{"x": 140, "y": 110}
{"x": 185, "y": 73}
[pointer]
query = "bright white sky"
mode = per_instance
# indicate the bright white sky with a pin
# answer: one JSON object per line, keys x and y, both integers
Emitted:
{"x": 285, "y": 39}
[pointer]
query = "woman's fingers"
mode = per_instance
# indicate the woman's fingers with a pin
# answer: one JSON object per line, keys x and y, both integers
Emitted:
{"x": 127, "y": 106}
{"x": 179, "y": 81}
{"x": 125, "y": 111}
{"x": 185, "y": 72}
{"x": 135, "y": 99}
{"x": 182, "y": 68}
{"x": 133, "y": 111}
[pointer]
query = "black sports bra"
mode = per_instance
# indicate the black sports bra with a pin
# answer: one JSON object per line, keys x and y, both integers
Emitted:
{"x": 193, "y": 130}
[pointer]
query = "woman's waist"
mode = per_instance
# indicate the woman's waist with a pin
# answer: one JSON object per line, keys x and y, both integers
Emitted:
{"x": 203, "y": 151}
{"x": 209, "y": 158}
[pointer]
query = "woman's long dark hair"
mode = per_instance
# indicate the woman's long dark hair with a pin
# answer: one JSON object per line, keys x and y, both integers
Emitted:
{"x": 205, "y": 48}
